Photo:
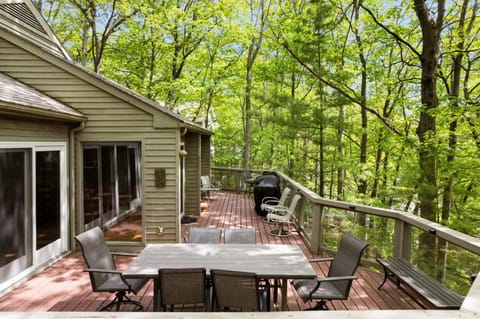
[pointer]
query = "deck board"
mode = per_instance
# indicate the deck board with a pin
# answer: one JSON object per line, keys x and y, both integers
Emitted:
{"x": 63, "y": 286}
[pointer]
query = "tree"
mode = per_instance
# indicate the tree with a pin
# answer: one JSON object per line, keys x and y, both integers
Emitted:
{"x": 101, "y": 19}
{"x": 259, "y": 13}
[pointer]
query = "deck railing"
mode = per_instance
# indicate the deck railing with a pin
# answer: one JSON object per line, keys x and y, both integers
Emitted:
{"x": 315, "y": 219}
{"x": 321, "y": 221}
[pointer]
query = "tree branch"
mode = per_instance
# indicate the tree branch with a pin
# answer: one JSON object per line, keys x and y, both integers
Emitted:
{"x": 339, "y": 89}
{"x": 396, "y": 36}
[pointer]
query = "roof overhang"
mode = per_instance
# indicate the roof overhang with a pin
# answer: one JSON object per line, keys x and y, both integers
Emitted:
{"x": 28, "y": 112}
{"x": 18, "y": 99}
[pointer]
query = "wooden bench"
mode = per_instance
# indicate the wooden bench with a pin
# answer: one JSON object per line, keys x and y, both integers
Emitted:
{"x": 434, "y": 292}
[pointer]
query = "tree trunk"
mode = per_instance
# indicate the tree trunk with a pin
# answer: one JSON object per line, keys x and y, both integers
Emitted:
{"x": 340, "y": 169}
{"x": 248, "y": 117}
{"x": 253, "y": 48}
{"x": 362, "y": 185}
{"x": 426, "y": 130}
{"x": 454, "y": 96}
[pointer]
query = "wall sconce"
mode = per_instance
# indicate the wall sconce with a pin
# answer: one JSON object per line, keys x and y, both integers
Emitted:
{"x": 182, "y": 153}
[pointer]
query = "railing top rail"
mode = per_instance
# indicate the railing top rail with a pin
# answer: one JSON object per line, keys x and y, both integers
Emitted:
{"x": 460, "y": 239}
{"x": 465, "y": 241}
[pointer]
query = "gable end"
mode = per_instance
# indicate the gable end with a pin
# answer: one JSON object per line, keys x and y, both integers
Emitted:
{"x": 21, "y": 12}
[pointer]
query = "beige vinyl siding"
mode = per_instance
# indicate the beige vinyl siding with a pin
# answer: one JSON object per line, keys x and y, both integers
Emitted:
{"x": 192, "y": 174}
{"x": 160, "y": 203}
{"x": 110, "y": 119}
{"x": 17, "y": 130}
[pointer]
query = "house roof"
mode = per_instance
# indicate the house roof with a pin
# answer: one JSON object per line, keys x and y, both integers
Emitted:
{"x": 21, "y": 18}
{"x": 18, "y": 98}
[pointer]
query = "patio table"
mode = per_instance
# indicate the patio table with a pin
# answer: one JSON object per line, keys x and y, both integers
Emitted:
{"x": 267, "y": 261}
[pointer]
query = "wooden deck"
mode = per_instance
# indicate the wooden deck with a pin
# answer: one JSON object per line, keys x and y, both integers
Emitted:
{"x": 64, "y": 287}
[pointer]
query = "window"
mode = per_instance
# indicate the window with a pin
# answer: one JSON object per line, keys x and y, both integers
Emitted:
{"x": 111, "y": 183}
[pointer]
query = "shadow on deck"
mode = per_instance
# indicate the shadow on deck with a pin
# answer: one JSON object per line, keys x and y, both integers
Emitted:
{"x": 63, "y": 286}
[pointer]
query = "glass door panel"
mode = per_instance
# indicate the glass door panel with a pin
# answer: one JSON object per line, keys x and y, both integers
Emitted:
{"x": 133, "y": 167}
{"x": 91, "y": 206}
{"x": 15, "y": 214}
{"x": 123, "y": 178}
{"x": 47, "y": 197}
{"x": 107, "y": 188}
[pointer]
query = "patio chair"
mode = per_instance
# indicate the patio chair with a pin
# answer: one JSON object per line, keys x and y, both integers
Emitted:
{"x": 103, "y": 274}
{"x": 197, "y": 235}
{"x": 269, "y": 203}
{"x": 183, "y": 287}
{"x": 238, "y": 291}
{"x": 206, "y": 186}
{"x": 337, "y": 284}
{"x": 240, "y": 236}
{"x": 248, "y": 181}
{"x": 282, "y": 216}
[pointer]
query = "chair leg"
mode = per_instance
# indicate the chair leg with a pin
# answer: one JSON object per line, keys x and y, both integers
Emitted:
{"x": 280, "y": 231}
{"x": 321, "y": 305}
{"x": 121, "y": 298}
{"x": 138, "y": 305}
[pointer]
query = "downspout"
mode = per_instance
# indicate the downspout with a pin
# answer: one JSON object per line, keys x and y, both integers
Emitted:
{"x": 182, "y": 153}
{"x": 72, "y": 180}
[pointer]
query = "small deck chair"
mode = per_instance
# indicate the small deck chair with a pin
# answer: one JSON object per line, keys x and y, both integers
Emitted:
{"x": 206, "y": 186}
{"x": 183, "y": 287}
{"x": 269, "y": 203}
{"x": 337, "y": 284}
{"x": 103, "y": 274}
{"x": 282, "y": 216}
{"x": 240, "y": 236}
{"x": 198, "y": 235}
{"x": 238, "y": 291}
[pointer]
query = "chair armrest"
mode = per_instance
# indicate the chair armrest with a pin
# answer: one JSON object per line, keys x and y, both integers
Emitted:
{"x": 278, "y": 209}
{"x": 336, "y": 278}
{"x": 270, "y": 198}
{"x": 105, "y": 271}
{"x": 316, "y": 260}
{"x": 111, "y": 272}
{"x": 325, "y": 279}
{"x": 124, "y": 254}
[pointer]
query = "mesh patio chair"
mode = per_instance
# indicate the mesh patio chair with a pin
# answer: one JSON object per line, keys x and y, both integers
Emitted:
{"x": 206, "y": 186}
{"x": 269, "y": 203}
{"x": 197, "y": 235}
{"x": 337, "y": 284}
{"x": 240, "y": 236}
{"x": 238, "y": 291}
{"x": 282, "y": 216}
{"x": 103, "y": 274}
{"x": 183, "y": 287}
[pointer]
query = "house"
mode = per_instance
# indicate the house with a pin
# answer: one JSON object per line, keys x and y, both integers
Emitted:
{"x": 78, "y": 150}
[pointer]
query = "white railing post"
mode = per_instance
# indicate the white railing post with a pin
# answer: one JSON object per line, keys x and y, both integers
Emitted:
{"x": 316, "y": 241}
{"x": 402, "y": 240}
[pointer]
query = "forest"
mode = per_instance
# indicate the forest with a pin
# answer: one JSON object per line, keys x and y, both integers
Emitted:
{"x": 367, "y": 101}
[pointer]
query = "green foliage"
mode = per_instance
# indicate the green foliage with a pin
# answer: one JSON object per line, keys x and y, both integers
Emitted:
{"x": 306, "y": 95}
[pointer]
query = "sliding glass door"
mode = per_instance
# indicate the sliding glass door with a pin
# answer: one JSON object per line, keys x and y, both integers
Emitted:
{"x": 111, "y": 182}
{"x": 33, "y": 207}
